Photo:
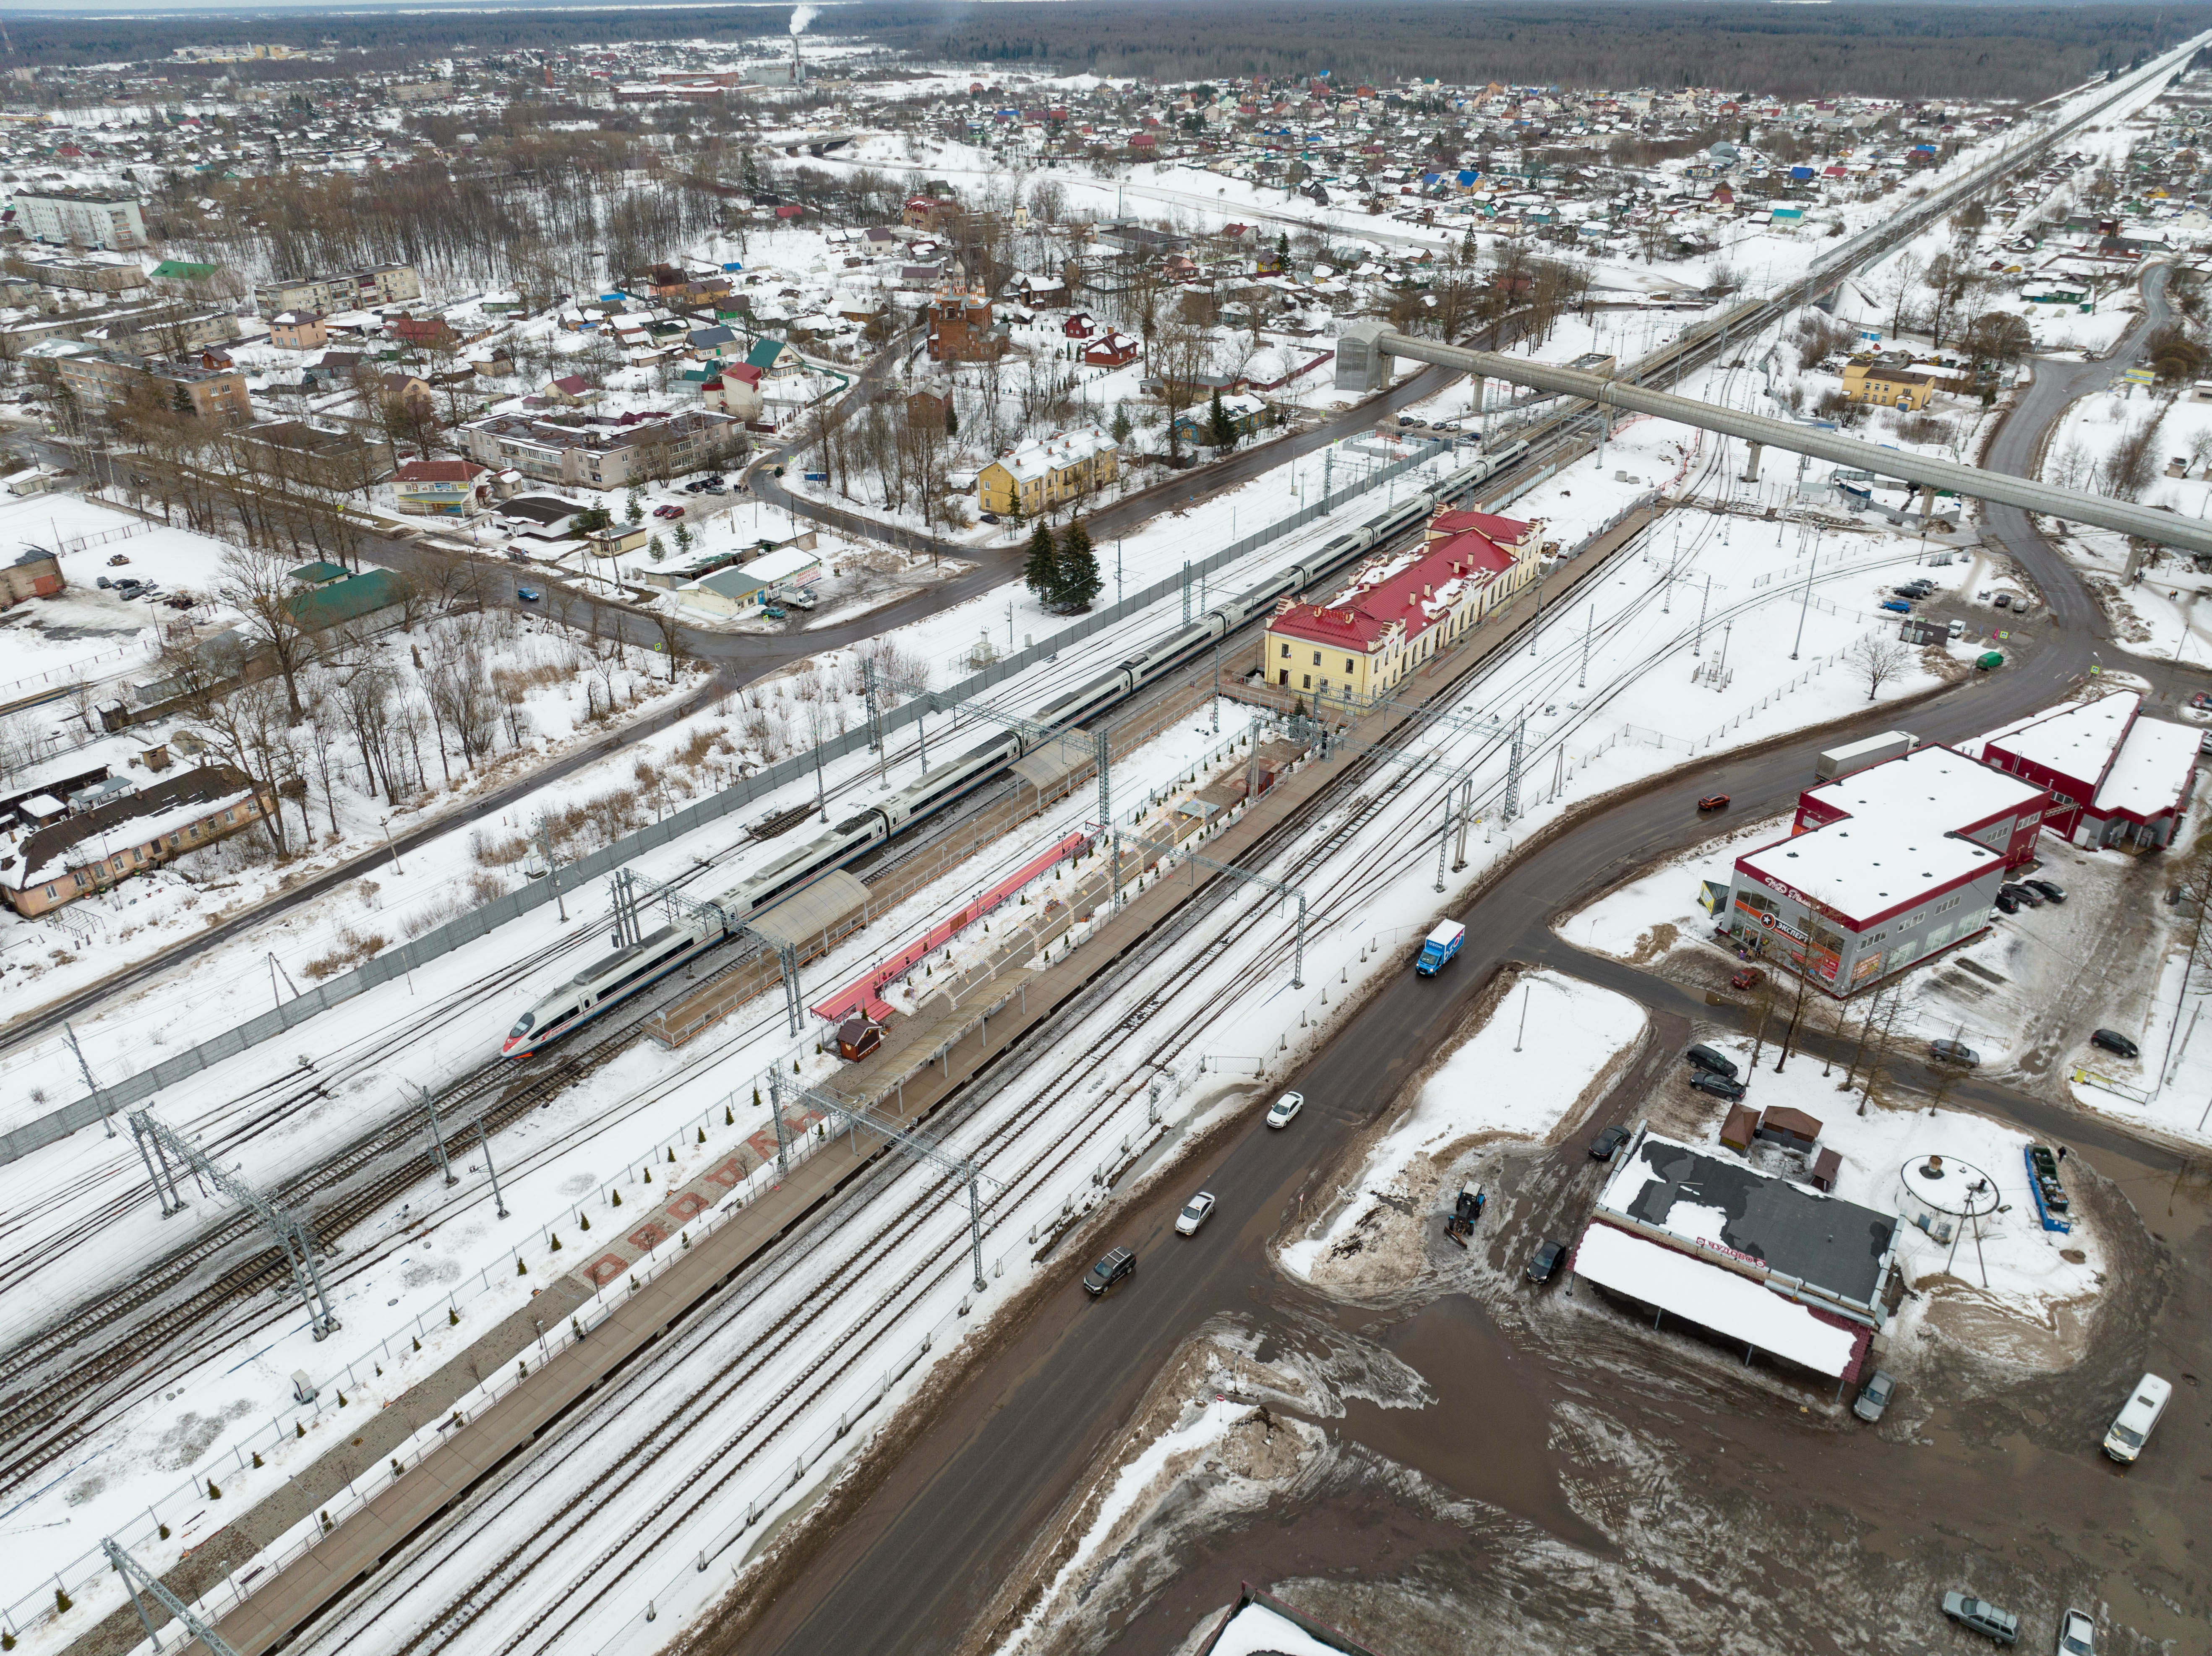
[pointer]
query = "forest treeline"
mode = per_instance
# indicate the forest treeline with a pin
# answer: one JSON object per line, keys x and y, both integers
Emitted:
{"x": 1872, "y": 48}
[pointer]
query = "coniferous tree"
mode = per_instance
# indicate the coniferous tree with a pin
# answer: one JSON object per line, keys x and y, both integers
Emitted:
{"x": 1224, "y": 432}
{"x": 1041, "y": 569}
{"x": 1121, "y": 426}
{"x": 1080, "y": 582}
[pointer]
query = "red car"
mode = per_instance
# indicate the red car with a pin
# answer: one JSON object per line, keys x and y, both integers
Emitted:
{"x": 1749, "y": 978}
{"x": 1713, "y": 802}
{"x": 668, "y": 511}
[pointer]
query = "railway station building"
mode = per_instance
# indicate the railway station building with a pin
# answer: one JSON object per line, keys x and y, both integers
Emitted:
{"x": 1398, "y": 609}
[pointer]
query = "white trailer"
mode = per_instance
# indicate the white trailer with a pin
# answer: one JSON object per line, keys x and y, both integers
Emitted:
{"x": 1857, "y": 755}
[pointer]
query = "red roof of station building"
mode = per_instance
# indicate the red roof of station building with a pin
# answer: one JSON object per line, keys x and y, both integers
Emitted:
{"x": 1415, "y": 587}
{"x": 1505, "y": 531}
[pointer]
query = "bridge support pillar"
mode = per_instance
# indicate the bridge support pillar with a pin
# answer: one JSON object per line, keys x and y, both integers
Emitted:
{"x": 1751, "y": 465}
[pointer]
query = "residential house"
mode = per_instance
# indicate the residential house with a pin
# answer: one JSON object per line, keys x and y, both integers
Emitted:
{"x": 298, "y": 330}
{"x": 1870, "y": 380}
{"x": 1044, "y": 473}
{"x": 1399, "y": 609}
{"x": 441, "y": 488}
{"x": 127, "y": 833}
{"x": 775, "y": 360}
{"x": 100, "y": 378}
{"x": 427, "y": 333}
{"x": 411, "y": 391}
{"x": 735, "y": 390}
{"x": 570, "y": 391}
{"x": 1245, "y": 416}
{"x": 83, "y": 218}
{"x": 600, "y": 452}
{"x": 380, "y": 284}
{"x": 961, "y": 329}
{"x": 712, "y": 344}
{"x": 1112, "y": 349}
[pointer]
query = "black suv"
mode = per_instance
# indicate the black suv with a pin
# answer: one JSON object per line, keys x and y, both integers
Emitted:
{"x": 1547, "y": 1261}
{"x": 1121, "y": 1262}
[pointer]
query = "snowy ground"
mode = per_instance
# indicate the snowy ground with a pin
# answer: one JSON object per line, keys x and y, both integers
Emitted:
{"x": 1517, "y": 1075}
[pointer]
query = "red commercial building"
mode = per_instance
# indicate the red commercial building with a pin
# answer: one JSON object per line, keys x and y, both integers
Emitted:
{"x": 2115, "y": 778}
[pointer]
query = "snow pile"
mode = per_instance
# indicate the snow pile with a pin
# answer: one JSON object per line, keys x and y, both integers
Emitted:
{"x": 1519, "y": 1074}
{"x": 1256, "y": 1630}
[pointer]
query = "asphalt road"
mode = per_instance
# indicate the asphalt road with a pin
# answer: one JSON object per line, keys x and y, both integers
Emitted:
{"x": 919, "y": 1560}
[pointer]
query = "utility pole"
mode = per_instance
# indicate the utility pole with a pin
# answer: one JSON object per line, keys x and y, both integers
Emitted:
{"x": 484, "y": 1144}
{"x": 137, "y": 1578}
{"x": 90, "y": 1085}
{"x": 1698, "y": 648}
{"x": 552, "y": 866}
{"x": 1512, "y": 807}
{"x": 291, "y": 1237}
{"x": 437, "y": 1136}
{"x": 1590, "y": 624}
{"x": 1804, "y": 602}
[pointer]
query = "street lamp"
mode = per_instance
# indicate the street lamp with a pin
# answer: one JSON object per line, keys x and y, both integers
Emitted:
{"x": 385, "y": 822}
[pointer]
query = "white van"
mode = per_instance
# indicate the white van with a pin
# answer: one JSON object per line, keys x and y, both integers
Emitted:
{"x": 2140, "y": 1413}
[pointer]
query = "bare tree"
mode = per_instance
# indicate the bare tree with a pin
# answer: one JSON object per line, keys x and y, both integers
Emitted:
{"x": 255, "y": 583}
{"x": 1878, "y": 659}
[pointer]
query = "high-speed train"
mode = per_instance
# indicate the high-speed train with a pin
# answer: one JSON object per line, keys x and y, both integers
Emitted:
{"x": 615, "y": 977}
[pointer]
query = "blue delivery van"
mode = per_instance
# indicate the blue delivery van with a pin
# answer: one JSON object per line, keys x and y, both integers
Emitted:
{"x": 1438, "y": 948}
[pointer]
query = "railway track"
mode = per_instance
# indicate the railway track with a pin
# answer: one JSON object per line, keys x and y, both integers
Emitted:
{"x": 738, "y": 1443}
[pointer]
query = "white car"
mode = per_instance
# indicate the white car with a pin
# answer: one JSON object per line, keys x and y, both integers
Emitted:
{"x": 1195, "y": 1213}
{"x": 2077, "y": 1634}
{"x": 1286, "y": 1109}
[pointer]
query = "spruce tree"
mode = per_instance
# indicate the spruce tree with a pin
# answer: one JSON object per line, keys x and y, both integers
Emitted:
{"x": 951, "y": 420}
{"x": 1224, "y": 433}
{"x": 1041, "y": 569}
{"x": 1121, "y": 426}
{"x": 1079, "y": 580}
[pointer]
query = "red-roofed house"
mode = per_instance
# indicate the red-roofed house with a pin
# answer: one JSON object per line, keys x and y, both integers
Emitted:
{"x": 441, "y": 488}
{"x": 1400, "y": 608}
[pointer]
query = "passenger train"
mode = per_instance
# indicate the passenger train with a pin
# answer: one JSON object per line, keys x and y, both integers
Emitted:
{"x": 616, "y": 977}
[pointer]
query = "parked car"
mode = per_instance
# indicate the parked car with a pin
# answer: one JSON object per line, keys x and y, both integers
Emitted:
{"x": 1985, "y": 1619}
{"x": 1285, "y": 1109}
{"x": 1911, "y": 590}
{"x": 2003, "y": 600}
{"x": 2201, "y": 701}
{"x": 1603, "y": 1146}
{"x": 2006, "y": 902}
{"x": 2077, "y": 1634}
{"x": 1957, "y": 628}
{"x": 988, "y": 517}
{"x": 1702, "y": 1057}
{"x": 528, "y": 594}
{"x": 1897, "y": 605}
{"x": 2132, "y": 1426}
{"x": 116, "y": 561}
{"x": 1408, "y": 420}
{"x": 2051, "y": 888}
{"x": 1748, "y": 977}
{"x": 2113, "y": 1042}
{"x": 1547, "y": 1261}
{"x": 1713, "y": 802}
{"x": 1954, "y": 1052}
{"x": 1720, "y": 1086}
{"x": 1120, "y": 1262}
{"x": 1195, "y": 1212}
{"x": 668, "y": 511}
{"x": 770, "y": 612}
{"x": 797, "y": 600}
{"x": 102, "y": 581}
{"x": 1873, "y": 1397}
{"x": 2023, "y": 894}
